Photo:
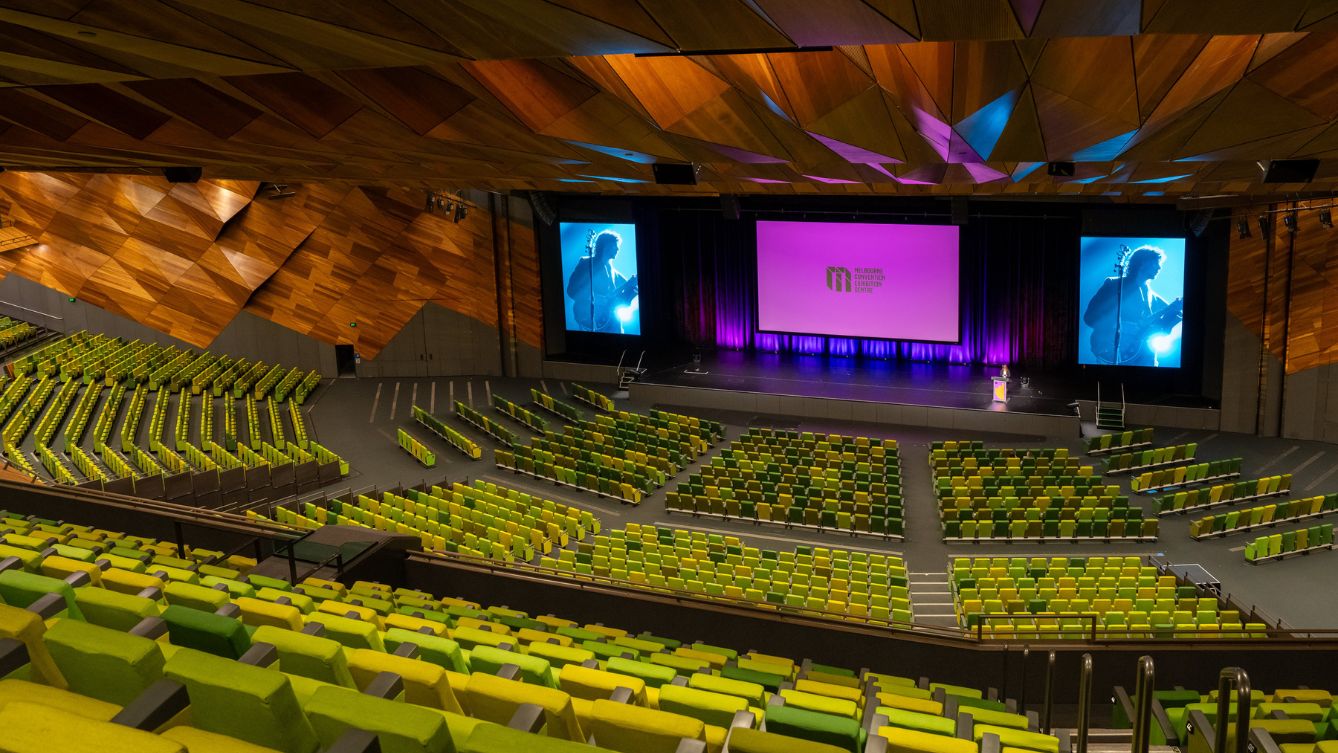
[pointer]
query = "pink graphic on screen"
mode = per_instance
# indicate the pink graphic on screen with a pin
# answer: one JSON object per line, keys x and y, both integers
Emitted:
{"x": 894, "y": 282}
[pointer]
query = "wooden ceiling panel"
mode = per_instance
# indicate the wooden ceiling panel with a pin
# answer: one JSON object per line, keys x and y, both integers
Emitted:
{"x": 833, "y": 22}
{"x": 733, "y": 24}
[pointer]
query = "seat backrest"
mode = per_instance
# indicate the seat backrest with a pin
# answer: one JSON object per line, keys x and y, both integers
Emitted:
{"x": 443, "y": 652}
{"x": 399, "y": 727}
{"x": 19, "y": 588}
{"x": 594, "y": 684}
{"x": 712, "y": 708}
{"x": 206, "y": 631}
{"x": 27, "y": 628}
{"x": 250, "y": 703}
{"x": 496, "y": 699}
{"x": 744, "y": 740}
{"x": 36, "y": 728}
{"x": 492, "y": 738}
{"x": 103, "y": 663}
{"x": 533, "y": 669}
{"x": 308, "y": 656}
{"x": 633, "y": 729}
{"x": 843, "y": 732}
{"x": 114, "y": 610}
{"x": 425, "y": 683}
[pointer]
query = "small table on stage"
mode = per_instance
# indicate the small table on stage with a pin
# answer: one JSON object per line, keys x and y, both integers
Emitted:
{"x": 1000, "y": 389}
{"x": 1196, "y": 574}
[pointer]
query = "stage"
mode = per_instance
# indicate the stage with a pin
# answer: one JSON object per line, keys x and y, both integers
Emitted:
{"x": 910, "y": 394}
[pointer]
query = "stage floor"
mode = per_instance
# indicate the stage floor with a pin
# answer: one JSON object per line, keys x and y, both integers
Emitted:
{"x": 935, "y": 385}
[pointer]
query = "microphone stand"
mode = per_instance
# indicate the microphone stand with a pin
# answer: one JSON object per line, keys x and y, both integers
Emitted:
{"x": 1119, "y": 305}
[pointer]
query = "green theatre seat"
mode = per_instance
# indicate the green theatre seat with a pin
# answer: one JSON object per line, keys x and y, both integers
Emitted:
{"x": 206, "y": 631}
{"x": 34, "y": 728}
{"x": 492, "y": 738}
{"x": 399, "y": 727}
{"x": 842, "y": 732}
{"x": 743, "y": 740}
{"x": 307, "y": 655}
{"x": 103, "y": 663}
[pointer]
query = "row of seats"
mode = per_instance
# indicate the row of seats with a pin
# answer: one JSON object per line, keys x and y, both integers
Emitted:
{"x": 1090, "y": 524}
{"x": 482, "y": 519}
{"x": 1072, "y": 597}
{"x": 486, "y": 425}
{"x": 1290, "y": 542}
{"x": 257, "y": 662}
{"x": 1156, "y": 457}
{"x": 1022, "y": 486}
{"x": 1224, "y": 494}
{"x": 454, "y": 438}
{"x": 1150, "y": 482}
{"x": 525, "y": 416}
{"x": 13, "y": 332}
{"x": 1119, "y": 441}
{"x": 557, "y": 407}
{"x": 583, "y": 473}
{"x": 593, "y": 398}
{"x": 1300, "y": 719}
{"x": 842, "y": 584}
{"x": 1286, "y": 511}
{"x": 416, "y": 448}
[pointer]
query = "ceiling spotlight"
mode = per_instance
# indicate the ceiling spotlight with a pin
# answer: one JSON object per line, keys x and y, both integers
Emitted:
{"x": 1326, "y": 218}
{"x": 461, "y": 210}
{"x": 1242, "y": 228}
{"x": 430, "y": 201}
{"x": 1265, "y": 224}
{"x": 1289, "y": 222}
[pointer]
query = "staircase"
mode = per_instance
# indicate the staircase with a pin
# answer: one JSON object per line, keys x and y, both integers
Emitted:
{"x": 629, "y": 374}
{"x": 1109, "y": 416}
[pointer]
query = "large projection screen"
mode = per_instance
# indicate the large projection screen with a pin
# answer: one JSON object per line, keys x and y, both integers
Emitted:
{"x": 848, "y": 279}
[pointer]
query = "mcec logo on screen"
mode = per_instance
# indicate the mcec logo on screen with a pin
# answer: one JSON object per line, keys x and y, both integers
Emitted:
{"x": 858, "y": 280}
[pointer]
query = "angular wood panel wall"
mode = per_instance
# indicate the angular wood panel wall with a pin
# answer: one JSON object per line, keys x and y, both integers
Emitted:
{"x": 185, "y": 259}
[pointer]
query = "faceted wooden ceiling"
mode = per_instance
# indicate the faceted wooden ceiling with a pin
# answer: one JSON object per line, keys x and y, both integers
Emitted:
{"x": 1150, "y": 97}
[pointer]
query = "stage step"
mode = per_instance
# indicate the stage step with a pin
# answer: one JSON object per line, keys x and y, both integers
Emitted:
{"x": 1109, "y": 418}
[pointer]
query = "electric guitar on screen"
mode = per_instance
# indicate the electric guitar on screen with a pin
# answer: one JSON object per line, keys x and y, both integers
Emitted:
{"x": 1122, "y": 340}
{"x": 600, "y": 312}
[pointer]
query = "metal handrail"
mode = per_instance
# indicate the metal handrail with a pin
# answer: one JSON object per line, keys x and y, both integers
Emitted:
{"x": 32, "y": 311}
{"x": 1232, "y": 676}
{"x": 1143, "y": 692}
{"x": 1084, "y": 703}
{"x": 1047, "y": 710}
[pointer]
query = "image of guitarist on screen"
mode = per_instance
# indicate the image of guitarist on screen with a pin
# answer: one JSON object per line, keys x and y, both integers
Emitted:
{"x": 1130, "y": 322}
{"x": 602, "y": 299}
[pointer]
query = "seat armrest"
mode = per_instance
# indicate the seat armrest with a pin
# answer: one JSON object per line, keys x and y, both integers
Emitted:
{"x": 621, "y": 695}
{"x": 155, "y": 706}
{"x": 150, "y": 627}
{"x": 152, "y": 592}
{"x": 680, "y": 681}
{"x": 876, "y": 744}
{"x": 47, "y": 605}
{"x": 590, "y": 664}
{"x": 425, "y": 630}
{"x": 13, "y": 654}
{"x": 385, "y": 685}
{"x": 528, "y": 717}
{"x": 356, "y": 741}
{"x": 229, "y": 610}
{"x": 687, "y": 745}
{"x": 775, "y": 700}
{"x": 966, "y": 726}
{"x": 10, "y": 563}
{"x": 260, "y": 655}
{"x": 508, "y": 671}
{"x": 313, "y": 628}
{"x": 284, "y": 601}
{"x": 989, "y": 743}
{"x": 79, "y": 579}
{"x": 407, "y": 650}
{"x": 744, "y": 719}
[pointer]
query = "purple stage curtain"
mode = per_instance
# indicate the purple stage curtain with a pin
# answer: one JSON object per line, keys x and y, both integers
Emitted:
{"x": 1017, "y": 298}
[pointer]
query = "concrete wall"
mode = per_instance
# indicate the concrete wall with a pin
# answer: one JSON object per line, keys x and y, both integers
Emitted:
{"x": 438, "y": 342}
{"x": 247, "y": 335}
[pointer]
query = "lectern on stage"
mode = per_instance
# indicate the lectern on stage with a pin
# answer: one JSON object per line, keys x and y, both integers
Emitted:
{"x": 1000, "y": 389}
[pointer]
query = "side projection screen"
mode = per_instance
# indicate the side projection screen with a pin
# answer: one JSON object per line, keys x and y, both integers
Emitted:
{"x": 846, "y": 279}
{"x": 1131, "y": 301}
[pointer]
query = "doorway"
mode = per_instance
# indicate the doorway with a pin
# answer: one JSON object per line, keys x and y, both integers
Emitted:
{"x": 346, "y": 361}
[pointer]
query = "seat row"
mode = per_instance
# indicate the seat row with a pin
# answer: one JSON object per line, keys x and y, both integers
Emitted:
{"x": 525, "y": 416}
{"x": 556, "y": 407}
{"x": 454, "y": 438}
{"x": 1122, "y": 441}
{"x": 588, "y": 472}
{"x": 1206, "y": 497}
{"x": 839, "y": 584}
{"x": 1155, "y": 457}
{"x": 1166, "y": 479}
{"x": 1279, "y": 545}
{"x": 486, "y": 425}
{"x": 1287, "y": 511}
{"x": 593, "y": 398}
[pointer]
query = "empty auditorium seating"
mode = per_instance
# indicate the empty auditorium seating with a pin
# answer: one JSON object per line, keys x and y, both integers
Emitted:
{"x": 800, "y": 479}
{"x": 1118, "y": 442}
{"x": 61, "y": 382}
{"x": 1028, "y": 494}
{"x": 261, "y": 665}
{"x": 1287, "y": 543}
{"x": 1155, "y": 457}
{"x": 850, "y": 585}
{"x": 453, "y": 438}
{"x": 593, "y": 398}
{"x": 482, "y": 519}
{"x": 557, "y": 407}
{"x": 624, "y": 455}
{"x": 1166, "y": 479}
{"x": 486, "y": 425}
{"x": 529, "y": 418}
{"x": 1286, "y": 511}
{"x": 1075, "y": 597}
{"x": 416, "y": 448}
{"x": 1217, "y": 495}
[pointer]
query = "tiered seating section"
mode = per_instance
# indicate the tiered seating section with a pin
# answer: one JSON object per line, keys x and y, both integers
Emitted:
{"x": 623, "y": 455}
{"x": 864, "y": 587}
{"x": 14, "y": 332}
{"x": 800, "y": 479}
{"x": 483, "y": 520}
{"x": 1028, "y": 494}
{"x": 1168, "y": 479}
{"x": 1224, "y": 494}
{"x": 1288, "y": 543}
{"x": 1124, "y": 441}
{"x": 73, "y": 374}
{"x": 593, "y": 398}
{"x": 1238, "y": 521}
{"x": 524, "y": 416}
{"x": 454, "y": 438}
{"x": 1145, "y": 460}
{"x": 260, "y": 665}
{"x": 1072, "y": 597}
{"x": 486, "y": 425}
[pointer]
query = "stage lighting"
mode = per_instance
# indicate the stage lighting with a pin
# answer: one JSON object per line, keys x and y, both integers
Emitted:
{"x": 1326, "y": 218}
{"x": 1243, "y": 228}
{"x": 1265, "y": 224}
{"x": 460, "y": 211}
{"x": 430, "y": 201}
{"x": 1289, "y": 222}
{"x": 625, "y": 313}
